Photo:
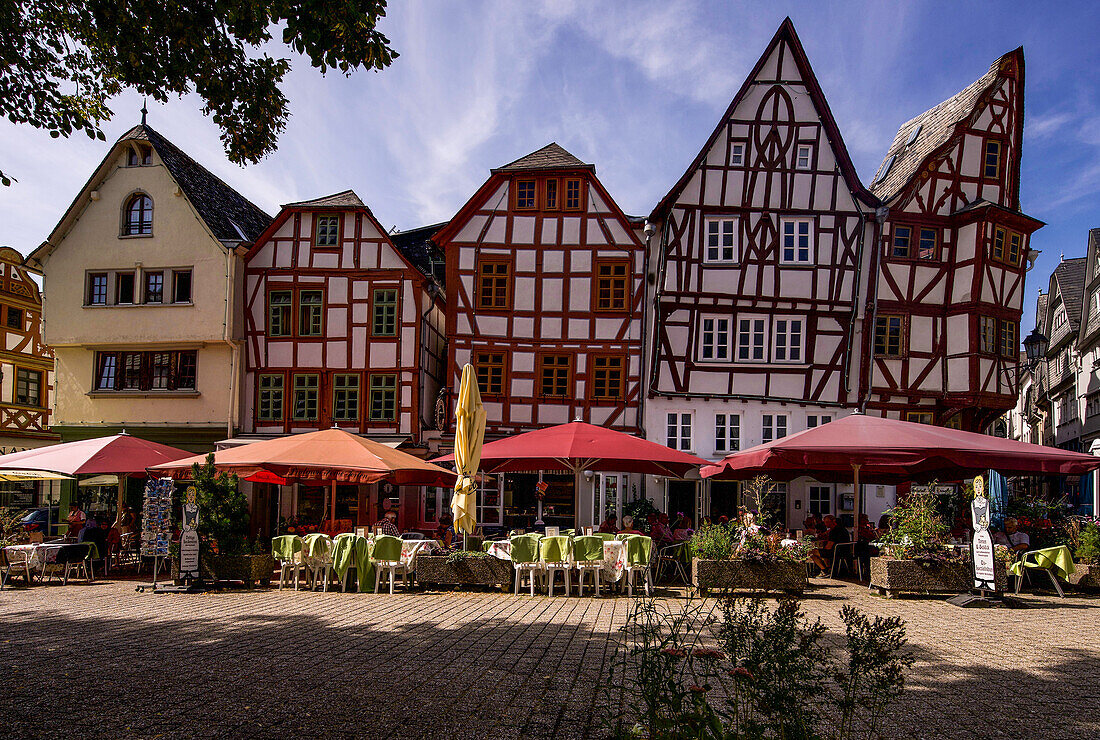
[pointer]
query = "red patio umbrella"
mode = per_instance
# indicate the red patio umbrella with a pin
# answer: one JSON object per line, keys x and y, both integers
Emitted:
{"x": 117, "y": 454}
{"x": 890, "y": 451}
{"x": 577, "y": 446}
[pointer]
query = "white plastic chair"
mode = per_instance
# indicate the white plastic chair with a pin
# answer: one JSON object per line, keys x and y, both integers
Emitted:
{"x": 320, "y": 562}
{"x": 17, "y": 560}
{"x": 556, "y": 555}
{"x": 587, "y": 564}
{"x": 645, "y": 569}
{"x": 388, "y": 548}
{"x": 533, "y": 567}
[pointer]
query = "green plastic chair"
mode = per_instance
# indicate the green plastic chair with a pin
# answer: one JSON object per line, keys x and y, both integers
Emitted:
{"x": 387, "y": 557}
{"x": 639, "y": 554}
{"x": 556, "y": 555}
{"x": 606, "y": 536}
{"x": 287, "y": 549}
{"x": 588, "y": 554}
{"x": 525, "y": 558}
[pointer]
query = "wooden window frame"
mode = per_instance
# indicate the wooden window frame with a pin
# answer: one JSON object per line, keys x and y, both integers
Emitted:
{"x": 525, "y": 181}
{"x": 731, "y": 336}
{"x": 721, "y": 220}
{"x": 1008, "y": 342}
{"x": 41, "y": 381}
{"x": 811, "y": 245}
{"x": 358, "y": 388}
{"x": 598, "y": 282}
{"x": 990, "y": 323}
{"x": 916, "y": 416}
{"x": 903, "y": 335}
{"x": 765, "y": 349}
{"x": 317, "y": 216}
{"x": 787, "y": 345}
{"x": 570, "y": 363}
{"x": 551, "y": 203}
{"x": 132, "y": 274}
{"x": 371, "y": 389}
{"x": 985, "y": 159}
{"x": 375, "y": 305}
{"x": 190, "y": 287}
{"x": 18, "y": 324}
{"x": 624, "y": 368}
{"x": 145, "y": 276}
{"x": 895, "y": 236}
{"x": 486, "y": 389}
{"x": 581, "y": 194}
{"x": 260, "y": 389}
{"x": 90, "y": 293}
{"x": 1006, "y": 236}
{"x": 178, "y": 380}
{"x": 509, "y": 278}
{"x": 678, "y": 424}
{"x": 298, "y": 293}
{"x": 289, "y": 314}
{"x": 144, "y": 224}
{"x": 294, "y": 398}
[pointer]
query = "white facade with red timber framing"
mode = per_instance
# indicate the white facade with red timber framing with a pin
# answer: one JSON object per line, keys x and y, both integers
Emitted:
{"x": 952, "y": 258}
{"x": 545, "y": 280}
{"x": 342, "y": 328}
{"x": 761, "y": 255}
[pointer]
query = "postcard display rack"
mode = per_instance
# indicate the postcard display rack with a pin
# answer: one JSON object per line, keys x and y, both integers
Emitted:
{"x": 156, "y": 522}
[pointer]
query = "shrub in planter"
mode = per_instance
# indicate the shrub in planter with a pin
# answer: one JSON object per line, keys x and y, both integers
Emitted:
{"x": 727, "y": 558}
{"x": 465, "y": 568}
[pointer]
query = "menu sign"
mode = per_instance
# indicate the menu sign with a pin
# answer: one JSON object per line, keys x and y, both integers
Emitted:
{"x": 985, "y": 577}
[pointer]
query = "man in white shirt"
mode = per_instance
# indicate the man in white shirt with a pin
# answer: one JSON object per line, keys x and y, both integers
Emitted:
{"x": 1012, "y": 537}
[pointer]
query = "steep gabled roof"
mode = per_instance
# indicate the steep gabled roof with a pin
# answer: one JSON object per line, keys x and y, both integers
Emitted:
{"x": 785, "y": 33}
{"x": 345, "y": 199}
{"x": 229, "y": 215}
{"x": 1070, "y": 275}
{"x": 550, "y": 157}
{"x": 1041, "y": 310}
{"x": 934, "y": 128}
{"x": 419, "y": 249}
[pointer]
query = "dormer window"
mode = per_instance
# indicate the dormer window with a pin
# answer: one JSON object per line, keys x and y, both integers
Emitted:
{"x": 573, "y": 195}
{"x": 327, "y": 232}
{"x": 138, "y": 216}
{"x": 525, "y": 194}
{"x": 804, "y": 157}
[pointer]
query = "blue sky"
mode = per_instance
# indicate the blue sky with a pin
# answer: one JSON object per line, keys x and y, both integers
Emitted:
{"x": 634, "y": 88}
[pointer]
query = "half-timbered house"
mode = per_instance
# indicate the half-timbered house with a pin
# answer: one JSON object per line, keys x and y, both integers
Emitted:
{"x": 343, "y": 327}
{"x": 950, "y": 264}
{"x": 545, "y": 295}
{"x": 761, "y": 255}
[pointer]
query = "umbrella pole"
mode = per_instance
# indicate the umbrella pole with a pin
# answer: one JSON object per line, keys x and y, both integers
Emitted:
{"x": 332, "y": 507}
{"x": 857, "y": 497}
{"x": 121, "y": 496}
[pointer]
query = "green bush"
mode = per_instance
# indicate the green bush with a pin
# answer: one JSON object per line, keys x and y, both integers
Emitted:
{"x": 714, "y": 542}
{"x": 1088, "y": 543}
{"x": 916, "y": 527}
{"x": 223, "y": 510}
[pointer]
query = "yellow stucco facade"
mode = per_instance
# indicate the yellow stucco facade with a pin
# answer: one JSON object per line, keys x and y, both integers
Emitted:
{"x": 90, "y": 243}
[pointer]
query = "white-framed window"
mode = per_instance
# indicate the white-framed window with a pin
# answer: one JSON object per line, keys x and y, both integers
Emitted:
{"x": 737, "y": 155}
{"x": 804, "y": 157}
{"x": 727, "y": 432}
{"x": 751, "y": 339}
{"x": 787, "y": 346}
{"x": 815, "y": 420}
{"x": 775, "y": 426}
{"x": 720, "y": 239}
{"x": 679, "y": 430}
{"x": 796, "y": 241}
{"x": 715, "y": 338}
{"x": 820, "y": 500}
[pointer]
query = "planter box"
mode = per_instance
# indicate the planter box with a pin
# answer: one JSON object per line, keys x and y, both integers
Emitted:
{"x": 471, "y": 571}
{"x": 251, "y": 569}
{"x": 891, "y": 576}
{"x": 748, "y": 575}
{"x": 1086, "y": 576}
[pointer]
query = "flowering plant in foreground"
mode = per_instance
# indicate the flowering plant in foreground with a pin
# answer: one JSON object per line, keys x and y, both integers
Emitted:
{"x": 684, "y": 673}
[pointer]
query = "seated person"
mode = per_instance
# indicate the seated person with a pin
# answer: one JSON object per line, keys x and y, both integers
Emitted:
{"x": 682, "y": 531}
{"x": 650, "y": 522}
{"x": 1012, "y": 537}
{"x": 75, "y": 520}
{"x": 835, "y": 534}
{"x": 628, "y": 526}
{"x": 609, "y": 525}
{"x": 865, "y": 535}
{"x": 660, "y": 532}
{"x": 445, "y": 530}
{"x": 883, "y": 524}
{"x": 387, "y": 524}
{"x": 723, "y": 520}
{"x": 811, "y": 526}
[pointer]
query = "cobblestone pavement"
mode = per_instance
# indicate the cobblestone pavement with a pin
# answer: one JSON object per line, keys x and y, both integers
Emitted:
{"x": 100, "y": 660}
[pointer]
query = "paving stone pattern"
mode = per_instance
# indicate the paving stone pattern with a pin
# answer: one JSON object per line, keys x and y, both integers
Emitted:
{"x": 100, "y": 660}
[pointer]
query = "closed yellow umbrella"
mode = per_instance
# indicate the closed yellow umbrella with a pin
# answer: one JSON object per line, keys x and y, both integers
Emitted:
{"x": 469, "y": 436}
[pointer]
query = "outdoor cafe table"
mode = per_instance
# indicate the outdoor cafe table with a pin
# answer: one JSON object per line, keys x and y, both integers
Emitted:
{"x": 1058, "y": 560}
{"x": 614, "y": 557}
{"x": 40, "y": 554}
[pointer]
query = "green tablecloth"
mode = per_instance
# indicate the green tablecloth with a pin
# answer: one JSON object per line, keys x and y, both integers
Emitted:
{"x": 351, "y": 549}
{"x": 1058, "y": 560}
{"x": 286, "y": 546}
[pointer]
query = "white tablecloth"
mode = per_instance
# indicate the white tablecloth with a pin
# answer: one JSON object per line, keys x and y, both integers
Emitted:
{"x": 614, "y": 558}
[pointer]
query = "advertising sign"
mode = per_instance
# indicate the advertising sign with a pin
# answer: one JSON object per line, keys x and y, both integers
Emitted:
{"x": 985, "y": 578}
{"x": 189, "y": 536}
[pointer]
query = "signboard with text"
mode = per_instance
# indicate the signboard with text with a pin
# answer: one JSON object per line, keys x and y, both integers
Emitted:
{"x": 985, "y": 576}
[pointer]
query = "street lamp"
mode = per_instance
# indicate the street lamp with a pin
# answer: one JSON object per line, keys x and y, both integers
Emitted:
{"x": 1035, "y": 347}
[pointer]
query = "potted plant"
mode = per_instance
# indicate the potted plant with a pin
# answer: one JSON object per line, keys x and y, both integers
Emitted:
{"x": 1085, "y": 543}
{"x": 736, "y": 557}
{"x": 227, "y": 554}
{"x": 464, "y": 567}
{"x": 915, "y": 557}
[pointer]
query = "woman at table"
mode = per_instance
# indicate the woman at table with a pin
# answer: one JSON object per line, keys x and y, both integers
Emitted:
{"x": 445, "y": 530}
{"x": 610, "y": 525}
{"x": 76, "y": 520}
{"x": 628, "y": 526}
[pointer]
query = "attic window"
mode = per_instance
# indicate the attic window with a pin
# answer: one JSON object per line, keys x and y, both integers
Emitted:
{"x": 913, "y": 135}
{"x": 804, "y": 157}
{"x": 139, "y": 155}
{"x": 885, "y": 169}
